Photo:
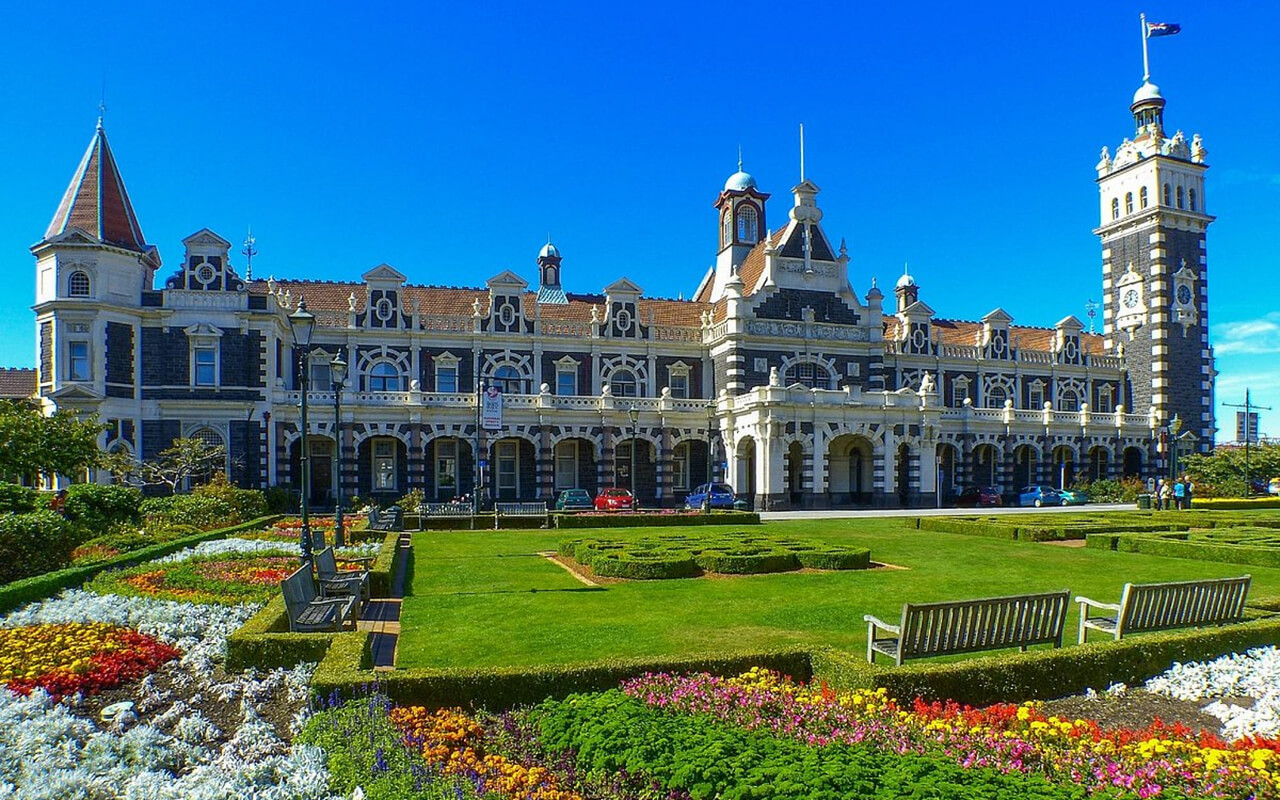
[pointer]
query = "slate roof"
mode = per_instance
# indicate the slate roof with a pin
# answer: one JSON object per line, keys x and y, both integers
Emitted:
{"x": 97, "y": 203}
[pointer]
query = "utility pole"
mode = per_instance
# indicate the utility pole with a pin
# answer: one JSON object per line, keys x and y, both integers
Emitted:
{"x": 1249, "y": 408}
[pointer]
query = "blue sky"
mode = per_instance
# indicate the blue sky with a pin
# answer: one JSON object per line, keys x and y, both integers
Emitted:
{"x": 449, "y": 140}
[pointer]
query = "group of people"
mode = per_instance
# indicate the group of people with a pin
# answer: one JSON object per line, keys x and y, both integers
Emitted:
{"x": 1173, "y": 495}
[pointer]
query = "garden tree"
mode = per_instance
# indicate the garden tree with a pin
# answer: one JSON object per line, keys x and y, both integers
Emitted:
{"x": 1221, "y": 472}
{"x": 185, "y": 458}
{"x": 61, "y": 444}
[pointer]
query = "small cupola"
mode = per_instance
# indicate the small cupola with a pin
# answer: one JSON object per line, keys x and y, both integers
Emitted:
{"x": 550, "y": 291}
{"x": 741, "y": 206}
{"x": 906, "y": 290}
{"x": 1148, "y": 110}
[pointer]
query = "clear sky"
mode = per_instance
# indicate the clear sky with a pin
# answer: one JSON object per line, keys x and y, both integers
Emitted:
{"x": 449, "y": 140}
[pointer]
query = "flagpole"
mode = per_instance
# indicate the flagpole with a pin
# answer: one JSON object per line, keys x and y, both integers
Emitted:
{"x": 1146, "y": 64}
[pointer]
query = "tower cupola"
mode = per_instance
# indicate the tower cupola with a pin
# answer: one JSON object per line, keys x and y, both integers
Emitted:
{"x": 906, "y": 290}
{"x": 1148, "y": 111}
{"x": 550, "y": 290}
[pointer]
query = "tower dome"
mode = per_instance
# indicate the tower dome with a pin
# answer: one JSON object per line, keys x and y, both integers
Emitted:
{"x": 740, "y": 181}
{"x": 905, "y": 281}
{"x": 550, "y": 250}
{"x": 1146, "y": 92}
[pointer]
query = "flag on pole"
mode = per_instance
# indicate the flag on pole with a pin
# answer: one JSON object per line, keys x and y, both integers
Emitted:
{"x": 1162, "y": 29}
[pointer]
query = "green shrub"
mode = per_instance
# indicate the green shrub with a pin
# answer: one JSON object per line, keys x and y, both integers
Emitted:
{"x": 264, "y": 641}
{"x": 203, "y": 512}
{"x": 684, "y": 556}
{"x": 34, "y": 543}
{"x": 15, "y": 499}
{"x": 664, "y": 520}
{"x": 244, "y": 503}
{"x": 647, "y": 565}
{"x": 846, "y": 558}
{"x": 609, "y": 733}
{"x": 281, "y": 500}
{"x": 747, "y": 561}
{"x": 97, "y": 508}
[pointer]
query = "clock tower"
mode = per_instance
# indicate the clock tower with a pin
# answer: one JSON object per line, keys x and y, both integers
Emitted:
{"x": 1154, "y": 275}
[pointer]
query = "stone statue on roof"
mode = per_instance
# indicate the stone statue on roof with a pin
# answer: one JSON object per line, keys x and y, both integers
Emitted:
{"x": 926, "y": 384}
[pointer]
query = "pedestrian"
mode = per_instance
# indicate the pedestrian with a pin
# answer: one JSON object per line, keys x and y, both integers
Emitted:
{"x": 1190, "y": 489}
{"x": 1158, "y": 495}
{"x": 58, "y": 503}
{"x": 1179, "y": 494}
{"x": 1166, "y": 496}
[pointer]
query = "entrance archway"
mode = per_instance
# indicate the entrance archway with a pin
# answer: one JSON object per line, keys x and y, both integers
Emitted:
{"x": 1024, "y": 466}
{"x": 985, "y": 459}
{"x": 1098, "y": 460}
{"x": 904, "y": 474}
{"x": 849, "y": 460}
{"x": 1064, "y": 467}
{"x": 795, "y": 473}
{"x": 745, "y": 480}
{"x": 948, "y": 460}
{"x": 1132, "y": 462}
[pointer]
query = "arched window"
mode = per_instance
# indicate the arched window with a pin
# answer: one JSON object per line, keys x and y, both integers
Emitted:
{"x": 727, "y": 237}
{"x": 1168, "y": 197}
{"x": 1142, "y": 197}
{"x": 1128, "y": 203}
{"x": 1115, "y": 208}
{"x": 1191, "y": 199}
{"x": 1068, "y": 400}
{"x": 996, "y": 395}
{"x": 507, "y": 379}
{"x": 748, "y": 223}
{"x": 623, "y": 383}
{"x": 384, "y": 377}
{"x": 212, "y": 445}
{"x": 78, "y": 284}
{"x": 1179, "y": 195}
{"x": 808, "y": 373}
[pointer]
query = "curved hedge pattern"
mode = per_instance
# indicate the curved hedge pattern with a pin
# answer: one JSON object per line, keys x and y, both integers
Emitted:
{"x": 658, "y": 558}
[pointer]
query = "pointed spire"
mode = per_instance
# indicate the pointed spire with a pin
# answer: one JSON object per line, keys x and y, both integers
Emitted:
{"x": 97, "y": 203}
{"x": 739, "y": 158}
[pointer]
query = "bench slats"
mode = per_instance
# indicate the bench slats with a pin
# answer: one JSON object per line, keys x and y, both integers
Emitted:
{"x": 930, "y": 629}
{"x": 1164, "y": 606}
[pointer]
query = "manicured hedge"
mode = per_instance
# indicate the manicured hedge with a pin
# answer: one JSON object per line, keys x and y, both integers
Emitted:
{"x": 382, "y": 570}
{"x": 41, "y": 586}
{"x": 1224, "y": 503}
{"x": 344, "y": 670}
{"x": 686, "y": 556}
{"x": 756, "y": 561}
{"x": 35, "y": 542}
{"x": 1199, "y": 549}
{"x": 1044, "y": 674}
{"x": 1014, "y": 529}
{"x": 662, "y": 520}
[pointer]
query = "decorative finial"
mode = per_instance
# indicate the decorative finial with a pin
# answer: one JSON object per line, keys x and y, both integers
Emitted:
{"x": 102, "y": 103}
{"x": 249, "y": 252}
{"x": 873, "y": 281}
{"x": 844, "y": 248}
{"x": 739, "y": 158}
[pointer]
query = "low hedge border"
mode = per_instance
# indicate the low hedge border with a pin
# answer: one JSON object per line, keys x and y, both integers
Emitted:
{"x": 1013, "y": 677}
{"x": 642, "y": 520}
{"x": 264, "y": 640}
{"x": 1021, "y": 532}
{"x": 41, "y": 586}
{"x": 507, "y": 687}
{"x": 1235, "y": 503}
{"x": 1199, "y": 550}
{"x": 1045, "y": 674}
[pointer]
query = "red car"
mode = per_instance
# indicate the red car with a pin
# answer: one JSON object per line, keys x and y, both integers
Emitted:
{"x": 979, "y": 496}
{"x": 615, "y": 500}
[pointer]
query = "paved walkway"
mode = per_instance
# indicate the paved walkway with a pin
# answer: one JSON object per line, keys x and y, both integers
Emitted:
{"x": 382, "y": 615}
{"x": 938, "y": 512}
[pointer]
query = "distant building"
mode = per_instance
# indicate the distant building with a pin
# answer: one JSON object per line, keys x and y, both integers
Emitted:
{"x": 777, "y": 376}
{"x": 17, "y": 383}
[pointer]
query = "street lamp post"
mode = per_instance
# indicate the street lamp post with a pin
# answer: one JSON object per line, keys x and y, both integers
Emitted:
{"x": 634, "y": 415}
{"x": 302, "y": 323}
{"x": 1175, "y": 425}
{"x": 711, "y": 419}
{"x": 338, "y": 373}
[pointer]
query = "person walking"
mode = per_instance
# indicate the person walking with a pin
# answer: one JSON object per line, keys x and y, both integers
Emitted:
{"x": 1166, "y": 496}
{"x": 1179, "y": 494}
{"x": 1159, "y": 495}
{"x": 1190, "y": 488}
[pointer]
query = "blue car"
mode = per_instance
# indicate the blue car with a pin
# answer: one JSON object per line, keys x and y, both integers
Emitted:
{"x": 721, "y": 496}
{"x": 1039, "y": 496}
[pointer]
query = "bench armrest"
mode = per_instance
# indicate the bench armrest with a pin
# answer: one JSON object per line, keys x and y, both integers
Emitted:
{"x": 365, "y": 560}
{"x": 894, "y": 629}
{"x": 1084, "y": 601}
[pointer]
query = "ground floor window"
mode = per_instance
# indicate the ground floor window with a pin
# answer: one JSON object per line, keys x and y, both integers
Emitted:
{"x": 680, "y": 467}
{"x": 567, "y": 465}
{"x": 446, "y": 469}
{"x": 508, "y": 458}
{"x": 384, "y": 465}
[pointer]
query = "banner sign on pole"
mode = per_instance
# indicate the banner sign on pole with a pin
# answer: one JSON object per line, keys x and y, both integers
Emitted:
{"x": 491, "y": 409}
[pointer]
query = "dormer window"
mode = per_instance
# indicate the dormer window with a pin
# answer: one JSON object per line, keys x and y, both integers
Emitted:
{"x": 78, "y": 284}
{"x": 748, "y": 223}
{"x": 1115, "y": 208}
{"x": 1128, "y": 203}
{"x": 1142, "y": 197}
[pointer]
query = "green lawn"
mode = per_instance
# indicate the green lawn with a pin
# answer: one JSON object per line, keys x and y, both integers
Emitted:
{"x": 485, "y": 599}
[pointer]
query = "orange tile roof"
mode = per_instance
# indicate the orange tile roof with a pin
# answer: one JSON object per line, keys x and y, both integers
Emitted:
{"x": 966, "y": 333}
{"x": 17, "y": 383}
{"x": 749, "y": 270}
{"x": 96, "y": 201}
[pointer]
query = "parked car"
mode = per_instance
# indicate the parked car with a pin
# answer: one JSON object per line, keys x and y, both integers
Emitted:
{"x": 980, "y": 496}
{"x": 615, "y": 500}
{"x": 574, "y": 499}
{"x": 1039, "y": 496}
{"x": 721, "y": 496}
{"x": 1072, "y": 497}
{"x": 1273, "y": 486}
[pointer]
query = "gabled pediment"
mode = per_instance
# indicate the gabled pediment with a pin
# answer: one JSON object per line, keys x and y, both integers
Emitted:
{"x": 918, "y": 309}
{"x": 997, "y": 316}
{"x": 74, "y": 392}
{"x": 202, "y": 330}
{"x": 206, "y": 237}
{"x": 72, "y": 236}
{"x": 622, "y": 286}
{"x": 383, "y": 273}
{"x": 806, "y": 186}
{"x": 1070, "y": 323}
{"x": 507, "y": 280}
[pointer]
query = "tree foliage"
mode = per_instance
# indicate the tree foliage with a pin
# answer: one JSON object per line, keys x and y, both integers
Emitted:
{"x": 1222, "y": 472}
{"x": 185, "y": 458}
{"x": 61, "y": 444}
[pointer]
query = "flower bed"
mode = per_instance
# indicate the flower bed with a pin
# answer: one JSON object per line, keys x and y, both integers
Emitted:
{"x": 226, "y": 579}
{"x": 71, "y": 657}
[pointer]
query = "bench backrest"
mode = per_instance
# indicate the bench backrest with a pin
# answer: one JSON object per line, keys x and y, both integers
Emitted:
{"x": 520, "y": 509}
{"x": 1161, "y": 606}
{"x": 447, "y": 509}
{"x": 326, "y": 564}
{"x": 299, "y": 590}
{"x": 989, "y": 623}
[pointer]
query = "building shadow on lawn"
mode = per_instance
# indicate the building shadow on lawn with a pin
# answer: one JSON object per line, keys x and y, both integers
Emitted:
{"x": 531, "y": 590}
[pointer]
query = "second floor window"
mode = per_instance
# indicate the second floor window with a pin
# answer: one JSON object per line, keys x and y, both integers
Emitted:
{"x": 321, "y": 377}
{"x": 507, "y": 379}
{"x": 78, "y": 362}
{"x": 624, "y": 384}
{"x": 446, "y": 378}
{"x": 679, "y": 384}
{"x": 384, "y": 377}
{"x": 566, "y": 381}
{"x": 206, "y": 367}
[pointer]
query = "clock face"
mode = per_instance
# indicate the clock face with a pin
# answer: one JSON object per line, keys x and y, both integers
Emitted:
{"x": 1184, "y": 294}
{"x": 1131, "y": 298}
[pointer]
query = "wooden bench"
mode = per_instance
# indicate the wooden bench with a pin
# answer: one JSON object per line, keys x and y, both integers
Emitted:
{"x": 446, "y": 511}
{"x": 966, "y": 626}
{"x": 340, "y": 583}
{"x": 390, "y": 522}
{"x": 1161, "y": 606}
{"x": 530, "y": 510}
{"x": 309, "y": 612}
